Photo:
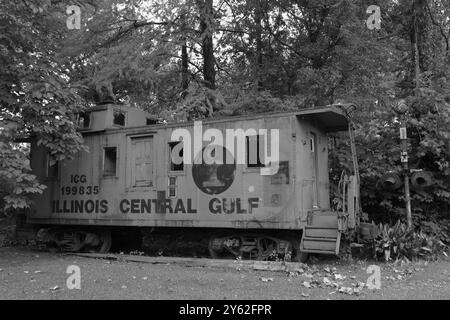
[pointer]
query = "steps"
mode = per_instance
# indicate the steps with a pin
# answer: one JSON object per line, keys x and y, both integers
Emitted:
{"x": 321, "y": 235}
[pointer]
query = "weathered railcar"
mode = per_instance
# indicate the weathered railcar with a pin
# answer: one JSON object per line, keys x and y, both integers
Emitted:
{"x": 130, "y": 177}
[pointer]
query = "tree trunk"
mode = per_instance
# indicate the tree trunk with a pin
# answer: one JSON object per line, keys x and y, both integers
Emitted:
{"x": 418, "y": 38}
{"x": 206, "y": 33}
{"x": 258, "y": 27}
{"x": 184, "y": 61}
{"x": 184, "y": 69}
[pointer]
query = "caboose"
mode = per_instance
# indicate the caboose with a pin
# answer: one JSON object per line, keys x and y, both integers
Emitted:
{"x": 258, "y": 184}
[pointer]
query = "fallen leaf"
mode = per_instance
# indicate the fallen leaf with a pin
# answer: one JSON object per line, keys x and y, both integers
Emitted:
{"x": 338, "y": 276}
{"x": 306, "y": 284}
{"x": 346, "y": 290}
{"x": 326, "y": 281}
{"x": 266, "y": 279}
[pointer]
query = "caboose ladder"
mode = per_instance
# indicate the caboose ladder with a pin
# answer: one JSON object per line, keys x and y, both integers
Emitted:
{"x": 321, "y": 235}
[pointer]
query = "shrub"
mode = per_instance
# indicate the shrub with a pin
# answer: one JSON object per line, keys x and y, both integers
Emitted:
{"x": 397, "y": 242}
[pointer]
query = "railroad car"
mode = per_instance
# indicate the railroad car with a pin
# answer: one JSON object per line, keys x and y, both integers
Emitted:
{"x": 269, "y": 196}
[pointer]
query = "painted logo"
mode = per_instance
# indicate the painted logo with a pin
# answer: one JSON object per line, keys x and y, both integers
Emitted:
{"x": 213, "y": 178}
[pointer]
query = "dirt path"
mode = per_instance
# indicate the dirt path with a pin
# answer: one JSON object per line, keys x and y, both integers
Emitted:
{"x": 26, "y": 274}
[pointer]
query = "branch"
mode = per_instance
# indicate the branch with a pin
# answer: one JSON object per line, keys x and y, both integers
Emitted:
{"x": 440, "y": 27}
{"x": 290, "y": 48}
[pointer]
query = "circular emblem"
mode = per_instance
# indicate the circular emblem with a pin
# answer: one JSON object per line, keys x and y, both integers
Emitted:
{"x": 213, "y": 178}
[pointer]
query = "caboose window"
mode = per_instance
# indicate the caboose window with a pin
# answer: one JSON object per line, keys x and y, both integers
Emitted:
{"x": 84, "y": 120}
{"x": 175, "y": 149}
{"x": 151, "y": 121}
{"x": 255, "y": 149}
{"x": 119, "y": 118}
{"x": 110, "y": 161}
{"x": 52, "y": 168}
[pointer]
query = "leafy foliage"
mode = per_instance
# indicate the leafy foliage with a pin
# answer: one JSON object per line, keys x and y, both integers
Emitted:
{"x": 15, "y": 175}
{"x": 35, "y": 93}
{"x": 397, "y": 242}
{"x": 201, "y": 58}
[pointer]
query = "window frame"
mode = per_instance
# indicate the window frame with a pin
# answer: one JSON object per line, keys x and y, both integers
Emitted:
{"x": 114, "y": 111}
{"x": 257, "y": 166}
{"x": 169, "y": 160}
{"x": 116, "y": 172}
{"x": 47, "y": 169}
{"x": 148, "y": 119}
{"x": 86, "y": 113}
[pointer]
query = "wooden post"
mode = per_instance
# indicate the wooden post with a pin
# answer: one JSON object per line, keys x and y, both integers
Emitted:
{"x": 404, "y": 159}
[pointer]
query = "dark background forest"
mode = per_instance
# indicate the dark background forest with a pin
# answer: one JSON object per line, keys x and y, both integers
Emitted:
{"x": 190, "y": 59}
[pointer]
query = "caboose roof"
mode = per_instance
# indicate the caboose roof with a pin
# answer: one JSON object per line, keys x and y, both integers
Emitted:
{"x": 331, "y": 118}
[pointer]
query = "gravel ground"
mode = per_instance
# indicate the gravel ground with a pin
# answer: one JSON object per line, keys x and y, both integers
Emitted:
{"x": 28, "y": 274}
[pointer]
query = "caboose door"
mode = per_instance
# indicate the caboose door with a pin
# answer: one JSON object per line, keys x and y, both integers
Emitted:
{"x": 142, "y": 162}
{"x": 314, "y": 168}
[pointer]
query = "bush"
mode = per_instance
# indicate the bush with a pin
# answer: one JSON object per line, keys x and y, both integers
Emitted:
{"x": 397, "y": 242}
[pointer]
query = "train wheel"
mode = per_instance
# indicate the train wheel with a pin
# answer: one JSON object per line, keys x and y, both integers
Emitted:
{"x": 68, "y": 240}
{"x": 247, "y": 247}
{"x": 267, "y": 248}
{"x": 213, "y": 253}
{"x": 105, "y": 242}
{"x": 217, "y": 249}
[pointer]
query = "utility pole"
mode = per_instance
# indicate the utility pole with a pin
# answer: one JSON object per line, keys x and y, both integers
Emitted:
{"x": 402, "y": 107}
{"x": 418, "y": 6}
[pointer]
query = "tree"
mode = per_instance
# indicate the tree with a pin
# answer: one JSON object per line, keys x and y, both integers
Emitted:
{"x": 204, "y": 58}
{"x": 37, "y": 98}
